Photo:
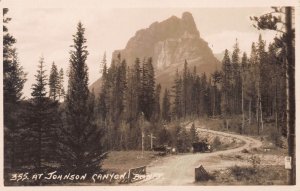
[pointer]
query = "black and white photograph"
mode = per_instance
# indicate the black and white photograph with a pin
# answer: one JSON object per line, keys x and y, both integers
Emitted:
{"x": 149, "y": 94}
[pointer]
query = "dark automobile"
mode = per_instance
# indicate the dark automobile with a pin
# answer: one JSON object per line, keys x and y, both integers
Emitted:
{"x": 201, "y": 146}
{"x": 164, "y": 149}
{"x": 160, "y": 148}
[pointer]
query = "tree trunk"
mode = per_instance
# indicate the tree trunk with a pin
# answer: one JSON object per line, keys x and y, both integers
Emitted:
{"x": 39, "y": 146}
{"x": 243, "y": 112}
{"x": 260, "y": 111}
{"x": 250, "y": 111}
{"x": 214, "y": 101}
{"x": 276, "y": 105}
{"x": 257, "y": 118}
{"x": 227, "y": 124}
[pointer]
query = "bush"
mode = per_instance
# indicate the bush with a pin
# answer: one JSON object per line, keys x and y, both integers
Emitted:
{"x": 275, "y": 138}
{"x": 234, "y": 124}
{"x": 216, "y": 143}
{"x": 238, "y": 156}
{"x": 245, "y": 151}
{"x": 242, "y": 173}
{"x": 183, "y": 142}
{"x": 255, "y": 161}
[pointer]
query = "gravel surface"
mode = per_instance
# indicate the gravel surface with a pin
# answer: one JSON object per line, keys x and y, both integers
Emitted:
{"x": 179, "y": 169}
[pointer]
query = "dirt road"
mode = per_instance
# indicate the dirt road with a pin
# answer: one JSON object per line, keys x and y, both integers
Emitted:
{"x": 179, "y": 169}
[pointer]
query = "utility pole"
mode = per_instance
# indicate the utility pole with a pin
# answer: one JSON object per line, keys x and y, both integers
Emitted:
{"x": 143, "y": 143}
{"x": 243, "y": 112}
{"x": 151, "y": 140}
{"x": 290, "y": 93}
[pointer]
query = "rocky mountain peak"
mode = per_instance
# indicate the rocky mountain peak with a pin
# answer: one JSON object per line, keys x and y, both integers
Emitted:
{"x": 170, "y": 43}
{"x": 187, "y": 16}
{"x": 146, "y": 41}
{"x": 189, "y": 23}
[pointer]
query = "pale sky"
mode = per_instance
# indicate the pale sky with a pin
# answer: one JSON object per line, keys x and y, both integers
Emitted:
{"x": 48, "y": 32}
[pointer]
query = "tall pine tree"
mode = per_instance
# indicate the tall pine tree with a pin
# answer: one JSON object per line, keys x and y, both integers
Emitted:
{"x": 226, "y": 105}
{"x": 157, "y": 110}
{"x": 177, "y": 94}
{"x": 102, "y": 99}
{"x": 54, "y": 86}
{"x": 148, "y": 89}
{"x": 166, "y": 106}
{"x": 13, "y": 83}
{"x": 61, "y": 89}
{"x": 82, "y": 138}
{"x": 236, "y": 75}
{"x": 43, "y": 123}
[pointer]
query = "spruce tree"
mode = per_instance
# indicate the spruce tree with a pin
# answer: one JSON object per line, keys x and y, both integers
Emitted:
{"x": 134, "y": 91}
{"x": 14, "y": 78}
{"x": 137, "y": 85}
{"x": 226, "y": 89}
{"x": 120, "y": 89}
{"x": 150, "y": 88}
{"x": 226, "y": 84}
{"x": 262, "y": 80}
{"x": 157, "y": 110}
{"x": 103, "y": 97}
{"x": 216, "y": 80}
{"x": 166, "y": 106}
{"x": 177, "y": 94}
{"x": 103, "y": 66}
{"x": 54, "y": 83}
{"x": 185, "y": 93}
{"x": 82, "y": 149}
{"x": 194, "y": 134}
{"x": 278, "y": 80}
{"x": 133, "y": 95}
{"x": 147, "y": 89}
{"x": 13, "y": 74}
{"x": 13, "y": 84}
{"x": 39, "y": 88}
{"x": 61, "y": 89}
{"x": 251, "y": 84}
{"x": 42, "y": 124}
{"x": 244, "y": 70}
{"x": 236, "y": 75}
{"x": 205, "y": 89}
{"x": 198, "y": 96}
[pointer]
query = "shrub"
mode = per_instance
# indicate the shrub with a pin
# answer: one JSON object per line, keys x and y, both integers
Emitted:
{"x": 275, "y": 138}
{"x": 242, "y": 173}
{"x": 245, "y": 151}
{"x": 216, "y": 143}
{"x": 238, "y": 156}
{"x": 255, "y": 161}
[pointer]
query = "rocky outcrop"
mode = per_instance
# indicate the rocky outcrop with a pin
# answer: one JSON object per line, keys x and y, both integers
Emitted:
{"x": 170, "y": 43}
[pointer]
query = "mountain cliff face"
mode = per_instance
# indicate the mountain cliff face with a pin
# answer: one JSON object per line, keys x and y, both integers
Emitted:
{"x": 170, "y": 43}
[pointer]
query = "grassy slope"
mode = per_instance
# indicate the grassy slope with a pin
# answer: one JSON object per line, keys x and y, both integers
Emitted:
{"x": 122, "y": 161}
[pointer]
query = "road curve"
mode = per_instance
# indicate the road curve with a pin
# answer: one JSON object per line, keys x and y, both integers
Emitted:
{"x": 179, "y": 169}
